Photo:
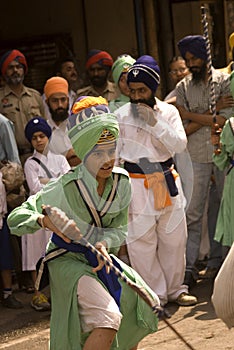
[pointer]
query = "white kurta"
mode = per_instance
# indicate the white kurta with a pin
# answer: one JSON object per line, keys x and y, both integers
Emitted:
{"x": 33, "y": 246}
{"x": 156, "y": 238}
{"x": 60, "y": 143}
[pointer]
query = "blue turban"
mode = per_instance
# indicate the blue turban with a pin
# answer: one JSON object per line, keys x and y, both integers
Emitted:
{"x": 145, "y": 70}
{"x": 195, "y": 44}
{"x": 35, "y": 125}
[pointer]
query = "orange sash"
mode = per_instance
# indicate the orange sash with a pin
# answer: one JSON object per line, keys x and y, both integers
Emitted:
{"x": 157, "y": 182}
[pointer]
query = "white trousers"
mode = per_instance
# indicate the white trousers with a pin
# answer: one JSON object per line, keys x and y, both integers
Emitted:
{"x": 97, "y": 308}
{"x": 157, "y": 251}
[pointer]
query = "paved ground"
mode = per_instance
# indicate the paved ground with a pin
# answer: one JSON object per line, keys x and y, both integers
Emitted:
{"x": 27, "y": 329}
{"x": 17, "y": 324}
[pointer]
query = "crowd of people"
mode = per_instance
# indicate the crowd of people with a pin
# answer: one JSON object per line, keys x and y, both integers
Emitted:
{"x": 109, "y": 162}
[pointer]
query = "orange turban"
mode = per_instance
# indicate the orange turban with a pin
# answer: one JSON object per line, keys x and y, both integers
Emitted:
{"x": 55, "y": 85}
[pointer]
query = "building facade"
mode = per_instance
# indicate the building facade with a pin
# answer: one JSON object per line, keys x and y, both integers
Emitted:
{"x": 50, "y": 29}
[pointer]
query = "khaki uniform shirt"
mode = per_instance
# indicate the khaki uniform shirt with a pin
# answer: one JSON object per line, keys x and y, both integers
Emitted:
{"x": 110, "y": 93}
{"x": 20, "y": 109}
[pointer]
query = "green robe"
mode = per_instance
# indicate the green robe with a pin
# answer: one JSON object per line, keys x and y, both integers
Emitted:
{"x": 225, "y": 223}
{"x": 138, "y": 319}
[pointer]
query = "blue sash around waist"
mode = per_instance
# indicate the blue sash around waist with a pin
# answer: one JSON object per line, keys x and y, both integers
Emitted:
{"x": 110, "y": 280}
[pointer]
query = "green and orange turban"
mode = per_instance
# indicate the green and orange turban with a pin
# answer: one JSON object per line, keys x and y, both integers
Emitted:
{"x": 102, "y": 128}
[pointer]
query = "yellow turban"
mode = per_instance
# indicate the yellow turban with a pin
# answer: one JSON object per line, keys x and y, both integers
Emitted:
{"x": 55, "y": 85}
{"x": 231, "y": 41}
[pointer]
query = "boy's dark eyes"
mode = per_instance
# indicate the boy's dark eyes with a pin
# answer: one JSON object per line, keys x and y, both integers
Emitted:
{"x": 96, "y": 154}
{"x": 38, "y": 137}
{"x": 99, "y": 153}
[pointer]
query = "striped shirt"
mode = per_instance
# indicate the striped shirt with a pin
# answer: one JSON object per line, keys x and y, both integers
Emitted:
{"x": 196, "y": 98}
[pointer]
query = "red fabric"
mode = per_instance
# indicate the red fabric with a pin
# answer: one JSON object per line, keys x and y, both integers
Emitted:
{"x": 102, "y": 58}
{"x": 14, "y": 54}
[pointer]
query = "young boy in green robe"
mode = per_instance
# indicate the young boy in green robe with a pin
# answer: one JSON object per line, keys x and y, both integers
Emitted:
{"x": 90, "y": 309}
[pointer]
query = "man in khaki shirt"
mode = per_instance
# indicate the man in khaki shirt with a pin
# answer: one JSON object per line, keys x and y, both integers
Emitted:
{"x": 18, "y": 102}
{"x": 98, "y": 68}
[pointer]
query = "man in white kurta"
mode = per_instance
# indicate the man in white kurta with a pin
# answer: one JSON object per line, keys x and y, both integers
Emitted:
{"x": 57, "y": 100}
{"x": 151, "y": 132}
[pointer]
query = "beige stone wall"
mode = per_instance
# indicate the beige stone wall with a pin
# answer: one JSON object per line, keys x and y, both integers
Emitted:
{"x": 104, "y": 24}
{"x": 107, "y": 25}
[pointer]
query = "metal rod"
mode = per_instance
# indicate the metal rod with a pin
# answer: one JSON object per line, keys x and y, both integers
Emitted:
{"x": 157, "y": 309}
{"x": 140, "y": 290}
{"x": 209, "y": 63}
{"x": 215, "y": 130}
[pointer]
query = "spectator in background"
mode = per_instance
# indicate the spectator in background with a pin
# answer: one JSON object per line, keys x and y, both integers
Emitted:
{"x": 119, "y": 73}
{"x": 193, "y": 103}
{"x": 56, "y": 94}
{"x": 98, "y": 69}
{"x": 39, "y": 169}
{"x": 8, "y": 151}
{"x": 177, "y": 71}
{"x": 18, "y": 102}
{"x": 66, "y": 68}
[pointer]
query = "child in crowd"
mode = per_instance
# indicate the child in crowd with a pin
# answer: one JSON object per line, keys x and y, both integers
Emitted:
{"x": 39, "y": 169}
{"x": 119, "y": 73}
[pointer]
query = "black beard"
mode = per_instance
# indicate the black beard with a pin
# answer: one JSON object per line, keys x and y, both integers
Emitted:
{"x": 199, "y": 75}
{"x": 99, "y": 81}
{"x": 149, "y": 102}
{"x": 59, "y": 115}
